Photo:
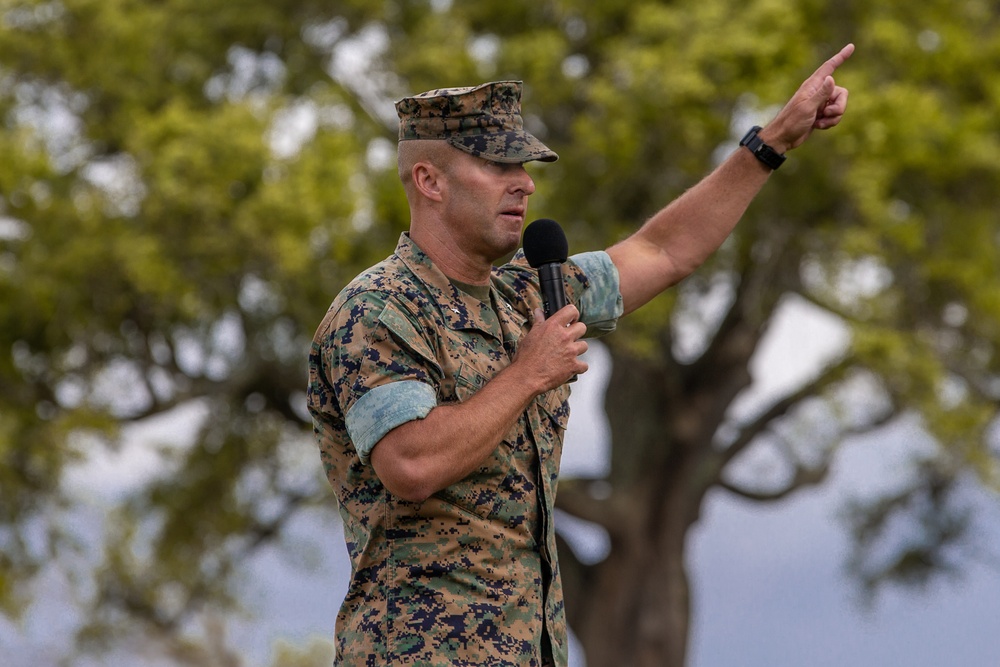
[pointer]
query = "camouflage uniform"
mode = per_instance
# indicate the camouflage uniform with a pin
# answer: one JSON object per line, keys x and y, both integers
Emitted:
{"x": 470, "y": 575}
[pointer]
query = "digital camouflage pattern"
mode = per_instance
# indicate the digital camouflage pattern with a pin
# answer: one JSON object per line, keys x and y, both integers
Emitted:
{"x": 483, "y": 120}
{"x": 469, "y": 576}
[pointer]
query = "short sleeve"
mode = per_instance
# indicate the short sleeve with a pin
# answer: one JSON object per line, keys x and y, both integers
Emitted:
{"x": 591, "y": 281}
{"x": 385, "y": 407}
{"x": 599, "y": 299}
{"x": 381, "y": 368}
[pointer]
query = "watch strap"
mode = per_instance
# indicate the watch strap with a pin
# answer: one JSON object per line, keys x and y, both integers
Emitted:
{"x": 770, "y": 157}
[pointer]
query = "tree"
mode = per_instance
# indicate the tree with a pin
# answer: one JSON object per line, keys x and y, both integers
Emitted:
{"x": 182, "y": 197}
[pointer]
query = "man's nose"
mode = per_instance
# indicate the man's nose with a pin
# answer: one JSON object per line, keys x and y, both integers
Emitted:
{"x": 523, "y": 182}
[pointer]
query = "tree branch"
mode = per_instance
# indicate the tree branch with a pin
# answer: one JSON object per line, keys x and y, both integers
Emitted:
{"x": 809, "y": 475}
{"x": 826, "y": 377}
{"x": 575, "y": 498}
{"x": 803, "y": 477}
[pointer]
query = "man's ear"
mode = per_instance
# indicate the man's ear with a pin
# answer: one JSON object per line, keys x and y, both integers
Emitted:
{"x": 428, "y": 180}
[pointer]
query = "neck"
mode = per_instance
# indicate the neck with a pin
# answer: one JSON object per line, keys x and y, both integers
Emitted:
{"x": 453, "y": 261}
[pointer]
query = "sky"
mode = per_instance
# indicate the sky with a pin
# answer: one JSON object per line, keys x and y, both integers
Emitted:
{"x": 768, "y": 581}
{"x": 770, "y": 589}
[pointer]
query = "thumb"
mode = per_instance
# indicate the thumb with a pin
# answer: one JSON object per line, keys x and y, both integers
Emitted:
{"x": 537, "y": 315}
{"x": 822, "y": 94}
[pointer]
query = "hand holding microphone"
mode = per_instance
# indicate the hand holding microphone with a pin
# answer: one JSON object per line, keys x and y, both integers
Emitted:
{"x": 546, "y": 249}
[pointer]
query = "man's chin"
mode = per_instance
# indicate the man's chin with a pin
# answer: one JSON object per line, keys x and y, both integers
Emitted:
{"x": 506, "y": 249}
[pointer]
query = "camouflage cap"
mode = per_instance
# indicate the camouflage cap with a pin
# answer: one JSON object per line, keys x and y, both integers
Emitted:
{"x": 483, "y": 120}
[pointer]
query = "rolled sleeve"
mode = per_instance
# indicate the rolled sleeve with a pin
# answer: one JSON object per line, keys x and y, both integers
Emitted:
{"x": 385, "y": 407}
{"x": 601, "y": 302}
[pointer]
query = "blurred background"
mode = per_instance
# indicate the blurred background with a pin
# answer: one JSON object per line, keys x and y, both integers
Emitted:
{"x": 791, "y": 458}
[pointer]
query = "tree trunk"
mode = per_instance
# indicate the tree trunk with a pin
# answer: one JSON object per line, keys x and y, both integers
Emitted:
{"x": 632, "y": 609}
{"x": 637, "y": 605}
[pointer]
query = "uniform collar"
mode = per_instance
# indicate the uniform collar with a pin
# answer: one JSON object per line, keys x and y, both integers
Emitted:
{"x": 458, "y": 309}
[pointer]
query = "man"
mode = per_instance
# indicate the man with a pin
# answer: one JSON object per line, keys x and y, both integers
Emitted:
{"x": 438, "y": 389}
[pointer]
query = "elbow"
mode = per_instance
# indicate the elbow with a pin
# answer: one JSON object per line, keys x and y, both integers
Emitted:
{"x": 413, "y": 491}
{"x": 405, "y": 479}
{"x": 646, "y": 269}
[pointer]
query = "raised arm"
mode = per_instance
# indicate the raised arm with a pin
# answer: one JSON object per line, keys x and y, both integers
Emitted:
{"x": 682, "y": 235}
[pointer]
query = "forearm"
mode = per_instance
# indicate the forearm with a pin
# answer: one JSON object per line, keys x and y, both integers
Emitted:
{"x": 692, "y": 227}
{"x": 682, "y": 235}
{"x": 420, "y": 457}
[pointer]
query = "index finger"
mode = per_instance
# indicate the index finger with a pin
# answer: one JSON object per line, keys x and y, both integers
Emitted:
{"x": 831, "y": 65}
{"x": 566, "y": 315}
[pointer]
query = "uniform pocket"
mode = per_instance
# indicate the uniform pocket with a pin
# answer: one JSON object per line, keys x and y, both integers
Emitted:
{"x": 468, "y": 381}
{"x": 555, "y": 406}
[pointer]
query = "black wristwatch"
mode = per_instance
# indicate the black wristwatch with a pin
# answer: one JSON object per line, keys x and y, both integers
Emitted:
{"x": 760, "y": 150}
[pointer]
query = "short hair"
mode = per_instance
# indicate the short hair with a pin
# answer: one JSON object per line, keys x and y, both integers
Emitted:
{"x": 436, "y": 151}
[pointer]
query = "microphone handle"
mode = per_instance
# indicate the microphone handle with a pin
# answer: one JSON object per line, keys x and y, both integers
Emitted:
{"x": 550, "y": 278}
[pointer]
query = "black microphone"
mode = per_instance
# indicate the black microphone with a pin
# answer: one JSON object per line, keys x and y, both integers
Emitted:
{"x": 546, "y": 248}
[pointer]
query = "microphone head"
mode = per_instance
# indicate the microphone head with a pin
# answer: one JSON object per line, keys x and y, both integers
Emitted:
{"x": 545, "y": 242}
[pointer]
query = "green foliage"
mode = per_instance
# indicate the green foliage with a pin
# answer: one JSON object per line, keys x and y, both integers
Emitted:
{"x": 317, "y": 654}
{"x": 166, "y": 239}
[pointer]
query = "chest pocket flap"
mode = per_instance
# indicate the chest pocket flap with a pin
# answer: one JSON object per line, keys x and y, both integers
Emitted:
{"x": 405, "y": 332}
